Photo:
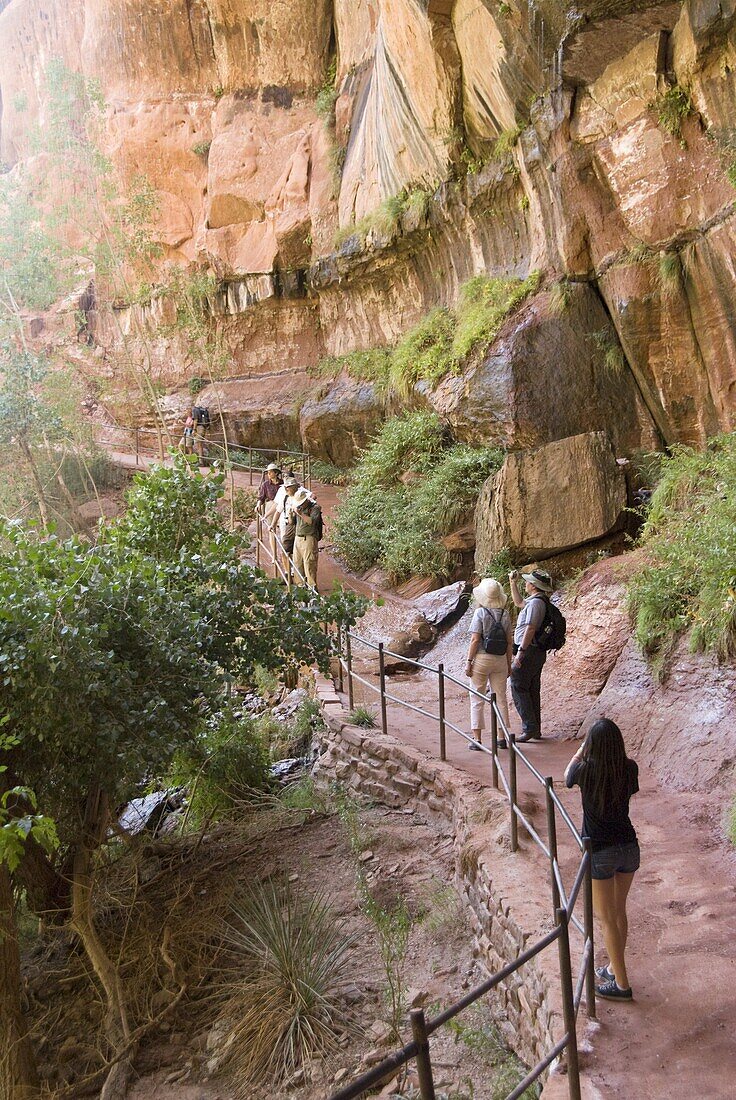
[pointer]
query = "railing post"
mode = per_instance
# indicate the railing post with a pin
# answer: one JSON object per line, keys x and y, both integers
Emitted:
{"x": 349, "y": 665}
{"x": 424, "y": 1064}
{"x": 340, "y": 682}
{"x": 512, "y": 788}
{"x": 382, "y": 682}
{"x": 137, "y": 446}
{"x": 588, "y": 923}
{"x": 568, "y": 1005}
{"x": 441, "y": 686}
{"x": 494, "y": 742}
{"x": 552, "y": 842}
{"x": 258, "y": 540}
{"x": 250, "y": 466}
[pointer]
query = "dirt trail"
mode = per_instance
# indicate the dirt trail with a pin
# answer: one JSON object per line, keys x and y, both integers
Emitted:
{"x": 677, "y": 1040}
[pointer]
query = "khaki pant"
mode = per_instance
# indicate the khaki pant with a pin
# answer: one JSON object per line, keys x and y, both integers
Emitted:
{"x": 306, "y": 554}
{"x": 489, "y": 674}
{"x": 269, "y": 514}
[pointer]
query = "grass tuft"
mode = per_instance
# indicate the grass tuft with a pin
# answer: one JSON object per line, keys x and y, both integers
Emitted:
{"x": 363, "y": 717}
{"x": 672, "y": 107}
{"x": 284, "y": 1007}
{"x": 689, "y": 579}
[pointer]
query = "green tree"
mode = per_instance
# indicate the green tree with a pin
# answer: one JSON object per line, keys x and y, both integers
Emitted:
{"x": 112, "y": 658}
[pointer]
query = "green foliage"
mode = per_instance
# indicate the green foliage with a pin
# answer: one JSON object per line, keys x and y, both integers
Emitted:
{"x": 688, "y": 581}
{"x": 201, "y": 149}
{"x": 113, "y": 656}
{"x": 671, "y": 108}
{"x": 18, "y": 823}
{"x": 327, "y": 95}
{"x": 393, "y": 925}
{"x": 363, "y": 717}
{"x": 425, "y": 353}
{"x": 606, "y": 342}
{"x": 477, "y": 1031}
{"x": 670, "y": 273}
{"x": 372, "y": 365}
{"x": 499, "y": 566}
{"x": 484, "y": 305}
{"x": 221, "y": 765}
{"x": 33, "y": 263}
{"x": 383, "y": 520}
{"x": 284, "y": 1006}
{"x": 244, "y": 505}
{"x": 329, "y": 474}
{"x": 196, "y": 385}
{"x": 385, "y": 220}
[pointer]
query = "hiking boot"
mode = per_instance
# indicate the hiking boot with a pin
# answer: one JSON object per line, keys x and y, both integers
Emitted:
{"x": 474, "y": 746}
{"x": 528, "y": 737}
{"x": 610, "y": 991}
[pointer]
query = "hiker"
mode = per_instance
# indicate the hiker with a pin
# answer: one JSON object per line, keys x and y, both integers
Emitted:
{"x": 201, "y": 417}
{"x": 309, "y": 529}
{"x": 529, "y": 657}
{"x": 186, "y": 443}
{"x": 267, "y": 492}
{"x": 607, "y": 779}
{"x": 285, "y": 514}
{"x": 489, "y": 655}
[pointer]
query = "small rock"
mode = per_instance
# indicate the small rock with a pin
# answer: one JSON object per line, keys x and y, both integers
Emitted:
{"x": 294, "y": 877}
{"x": 340, "y": 1075}
{"x": 365, "y": 857}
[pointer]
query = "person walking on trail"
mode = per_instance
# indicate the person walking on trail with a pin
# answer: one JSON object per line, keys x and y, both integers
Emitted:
{"x": 285, "y": 514}
{"x": 529, "y": 657}
{"x": 201, "y": 417}
{"x": 308, "y": 535}
{"x": 607, "y": 779}
{"x": 267, "y": 492}
{"x": 489, "y": 655}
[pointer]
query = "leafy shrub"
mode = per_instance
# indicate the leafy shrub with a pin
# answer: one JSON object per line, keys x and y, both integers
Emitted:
{"x": 229, "y": 760}
{"x": 328, "y": 474}
{"x": 284, "y": 1005}
{"x": 327, "y": 95}
{"x": 689, "y": 537}
{"x": 196, "y": 385}
{"x": 484, "y": 305}
{"x": 397, "y": 525}
{"x": 425, "y": 353}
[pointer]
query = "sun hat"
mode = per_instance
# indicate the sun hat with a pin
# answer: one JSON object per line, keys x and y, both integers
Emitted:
{"x": 290, "y": 482}
{"x": 489, "y": 593}
{"x": 301, "y": 496}
{"x": 540, "y": 578}
{"x": 273, "y": 466}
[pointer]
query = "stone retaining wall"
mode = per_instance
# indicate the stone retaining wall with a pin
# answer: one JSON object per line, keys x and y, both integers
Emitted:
{"x": 506, "y": 894}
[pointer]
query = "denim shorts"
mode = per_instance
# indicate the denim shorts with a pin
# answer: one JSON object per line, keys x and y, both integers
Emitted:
{"x": 618, "y": 859}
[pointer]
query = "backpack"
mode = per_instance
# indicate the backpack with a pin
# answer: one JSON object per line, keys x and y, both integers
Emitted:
{"x": 495, "y": 639}
{"x": 319, "y": 528}
{"x": 202, "y": 415}
{"x": 551, "y": 634}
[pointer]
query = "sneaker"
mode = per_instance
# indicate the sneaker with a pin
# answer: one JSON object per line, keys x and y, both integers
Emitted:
{"x": 611, "y": 992}
{"x": 604, "y": 974}
{"x": 527, "y": 737}
{"x": 501, "y": 743}
{"x": 474, "y": 746}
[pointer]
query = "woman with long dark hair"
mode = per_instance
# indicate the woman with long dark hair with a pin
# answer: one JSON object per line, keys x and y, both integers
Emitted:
{"x": 607, "y": 779}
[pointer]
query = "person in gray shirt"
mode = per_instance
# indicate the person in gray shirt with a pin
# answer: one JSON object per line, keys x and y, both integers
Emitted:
{"x": 529, "y": 658}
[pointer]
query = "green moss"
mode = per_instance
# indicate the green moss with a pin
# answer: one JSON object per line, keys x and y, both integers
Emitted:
{"x": 688, "y": 581}
{"x": 201, "y": 149}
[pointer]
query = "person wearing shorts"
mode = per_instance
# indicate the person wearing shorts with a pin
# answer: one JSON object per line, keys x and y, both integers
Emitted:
{"x": 607, "y": 779}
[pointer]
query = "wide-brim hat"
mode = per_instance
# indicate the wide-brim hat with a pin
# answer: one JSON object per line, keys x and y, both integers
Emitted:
{"x": 291, "y": 483}
{"x": 489, "y": 593}
{"x": 540, "y": 578}
{"x": 273, "y": 466}
{"x": 301, "y": 496}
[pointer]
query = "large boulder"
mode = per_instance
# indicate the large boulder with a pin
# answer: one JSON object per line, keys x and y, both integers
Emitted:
{"x": 548, "y": 500}
{"x": 555, "y": 369}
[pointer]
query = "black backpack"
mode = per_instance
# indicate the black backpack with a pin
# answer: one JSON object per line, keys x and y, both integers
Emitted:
{"x": 202, "y": 415}
{"x": 319, "y": 528}
{"x": 495, "y": 639}
{"x": 552, "y": 632}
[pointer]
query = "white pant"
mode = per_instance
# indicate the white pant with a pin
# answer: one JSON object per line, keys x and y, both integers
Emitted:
{"x": 489, "y": 674}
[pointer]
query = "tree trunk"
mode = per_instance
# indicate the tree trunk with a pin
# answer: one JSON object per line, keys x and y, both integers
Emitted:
{"x": 18, "y": 1077}
{"x": 116, "y": 1020}
{"x": 42, "y": 502}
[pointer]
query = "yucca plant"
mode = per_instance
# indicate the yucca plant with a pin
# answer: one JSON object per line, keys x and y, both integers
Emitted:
{"x": 284, "y": 1007}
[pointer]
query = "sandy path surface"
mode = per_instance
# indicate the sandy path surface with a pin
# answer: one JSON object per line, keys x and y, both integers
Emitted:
{"x": 677, "y": 1039}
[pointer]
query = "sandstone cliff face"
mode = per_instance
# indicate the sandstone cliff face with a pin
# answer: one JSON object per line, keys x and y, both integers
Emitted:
{"x": 216, "y": 102}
